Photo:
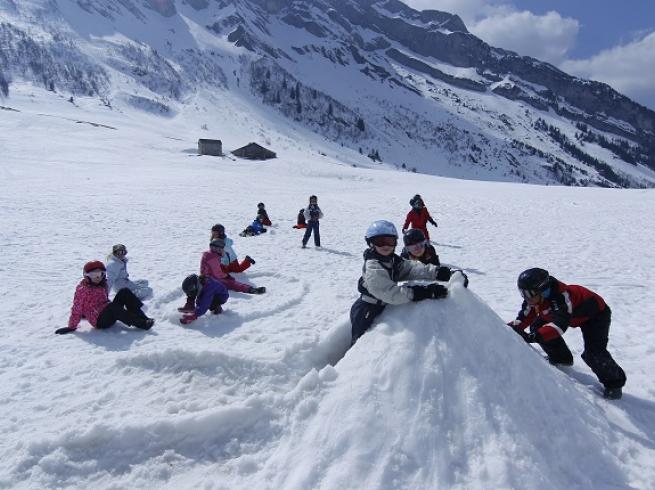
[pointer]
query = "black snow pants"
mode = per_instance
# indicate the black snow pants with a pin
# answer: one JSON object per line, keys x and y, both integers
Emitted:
{"x": 362, "y": 315}
{"x": 595, "y": 333}
{"x": 125, "y": 307}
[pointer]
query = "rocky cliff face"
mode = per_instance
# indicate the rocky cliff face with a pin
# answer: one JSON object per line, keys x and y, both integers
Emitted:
{"x": 414, "y": 88}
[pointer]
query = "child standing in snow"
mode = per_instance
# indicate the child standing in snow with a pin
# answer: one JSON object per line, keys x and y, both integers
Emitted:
{"x": 381, "y": 272}
{"x": 550, "y": 307}
{"x": 206, "y": 294}
{"x": 261, "y": 211}
{"x": 118, "y": 278}
{"x": 230, "y": 260}
{"x": 312, "y": 215}
{"x": 91, "y": 302}
{"x": 418, "y": 216}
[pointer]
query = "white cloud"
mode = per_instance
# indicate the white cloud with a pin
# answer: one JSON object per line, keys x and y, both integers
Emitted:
{"x": 630, "y": 69}
{"x": 546, "y": 37}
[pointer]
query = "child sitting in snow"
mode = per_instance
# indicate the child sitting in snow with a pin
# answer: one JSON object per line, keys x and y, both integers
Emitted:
{"x": 261, "y": 211}
{"x": 230, "y": 259}
{"x": 418, "y": 248}
{"x": 118, "y": 278}
{"x": 211, "y": 267}
{"x": 382, "y": 270}
{"x": 301, "y": 222}
{"x": 206, "y": 294}
{"x": 256, "y": 228}
{"x": 91, "y": 302}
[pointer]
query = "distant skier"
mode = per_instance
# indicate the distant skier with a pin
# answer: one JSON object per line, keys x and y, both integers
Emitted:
{"x": 550, "y": 307}
{"x": 301, "y": 222}
{"x": 118, "y": 278}
{"x": 261, "y": 211}
{"x": 206, "y": 294}
{"x": 312, "y": 216}
{"x": 381, "y": 272}
{"x": 229, "y": 260}
{"x": 91, "y": 302}
{"x": 418, "y": 216}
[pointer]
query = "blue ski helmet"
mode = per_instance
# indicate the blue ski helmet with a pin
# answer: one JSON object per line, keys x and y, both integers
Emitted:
{"x": 380, "y": 228}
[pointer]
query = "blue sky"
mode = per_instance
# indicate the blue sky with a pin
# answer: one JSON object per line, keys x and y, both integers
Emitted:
{"x": 606, "y": 40}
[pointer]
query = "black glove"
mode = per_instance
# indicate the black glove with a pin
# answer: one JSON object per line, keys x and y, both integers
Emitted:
{"x": 443, "y": 274}
{"x": 431, "y": 291}
{"x": 61, "y": 331}
{"x": 250, "y": 259}
{"x": 529, "y": 337}
{"x": 466, "y": 278}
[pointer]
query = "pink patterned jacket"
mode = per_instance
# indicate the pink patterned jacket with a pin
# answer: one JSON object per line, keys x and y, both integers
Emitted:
{"x": 89, "y": 301}
{"x": 210, "y": 265}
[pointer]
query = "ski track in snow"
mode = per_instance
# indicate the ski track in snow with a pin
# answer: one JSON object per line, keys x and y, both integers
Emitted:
{"x": 266, "y": 395}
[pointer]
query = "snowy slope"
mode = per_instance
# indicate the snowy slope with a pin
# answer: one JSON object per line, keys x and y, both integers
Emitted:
{"x": 437, "y": 395}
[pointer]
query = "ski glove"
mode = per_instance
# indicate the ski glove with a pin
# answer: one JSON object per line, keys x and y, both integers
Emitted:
{"x": 531, "y": 338}
{"x": 186, "y": 319}
{"x": 466, "y": 278}
{"x": 61, "y": 331}
{"x": 250, "y": 259}
{"x": 443, "y": 274}
{"x": 432, "y": 291}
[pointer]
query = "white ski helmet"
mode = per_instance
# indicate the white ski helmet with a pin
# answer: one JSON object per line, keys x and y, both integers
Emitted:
{"x": 380, "y": 228}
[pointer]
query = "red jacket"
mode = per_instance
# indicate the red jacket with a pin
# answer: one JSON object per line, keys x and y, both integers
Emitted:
{"x": 89, "y": 301}
{"x": 566, "y": 306}
{"x": 419, "y": 220}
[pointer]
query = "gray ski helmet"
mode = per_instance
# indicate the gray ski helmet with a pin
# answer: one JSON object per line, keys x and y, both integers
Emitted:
{"x": 191, "y": 285}
{"x": 532, "y": 282}
{"x": 413, "y": 236}
{"x": 380, "y": 228}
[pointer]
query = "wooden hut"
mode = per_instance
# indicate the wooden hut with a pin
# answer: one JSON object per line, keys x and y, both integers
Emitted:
{"x": 210, "y": 147}
{"x": 253, "y": 151}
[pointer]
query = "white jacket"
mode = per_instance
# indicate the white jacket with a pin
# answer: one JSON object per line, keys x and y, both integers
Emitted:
{"x": 118, "y": 278}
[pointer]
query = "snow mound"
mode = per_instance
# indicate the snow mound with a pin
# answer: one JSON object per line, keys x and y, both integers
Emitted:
{"x": 440, "y": 394}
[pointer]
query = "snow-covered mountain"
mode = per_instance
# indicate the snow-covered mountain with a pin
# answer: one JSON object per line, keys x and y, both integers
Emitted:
{"x": 413, "y": 89}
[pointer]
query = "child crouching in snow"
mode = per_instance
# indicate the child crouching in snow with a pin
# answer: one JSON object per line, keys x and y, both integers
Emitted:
{"x": 301, "y": 221}
{"x": 118, "y": 278}
{"x": 229, "y": 258}
{"x": 382, "y": 270}
{"x": 91, "y": 302}
{"x": 206, "y": 294}
{"x": 261, "y": 211}
{"x": 211, "y": 267}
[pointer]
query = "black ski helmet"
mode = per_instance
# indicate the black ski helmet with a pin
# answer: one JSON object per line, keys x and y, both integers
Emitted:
{"x": 191, "y": 285}
{"x": 413, "y": 236}
{"x": 532, "y": 282}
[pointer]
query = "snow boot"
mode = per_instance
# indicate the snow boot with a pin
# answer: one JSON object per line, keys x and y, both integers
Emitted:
{"x": 557, "y": 362}
{"x": 218, "y": 310}
{"x": 147, "y": 324}
{"x": 613, "y": 393}
{"x": 259, "y": 290}
{"x": 189, "y": 306}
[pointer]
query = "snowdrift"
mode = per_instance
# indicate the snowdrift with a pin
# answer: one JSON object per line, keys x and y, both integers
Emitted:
{"x": 440, "y": 394}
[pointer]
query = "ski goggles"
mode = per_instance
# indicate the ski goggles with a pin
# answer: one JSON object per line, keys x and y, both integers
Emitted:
{"x": 384, "y": 241}
{"x": 120, "y": 251}
{"x": 96, "y": 274}
{"x": 533, "y": 294}
{"x": 416, "y": 247}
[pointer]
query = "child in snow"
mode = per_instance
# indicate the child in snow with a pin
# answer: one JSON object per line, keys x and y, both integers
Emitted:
{"x": 230, "y": 259}
{"x": 261, "y": 211}
{"x": 211, "y": 267}
{"x": 206, "y": 294}
{"x": 312, "y": 214}
{"x": 381, "y": 272}
{"x": 550, "y": 307}
{"x": 256, "y": 228}
{"x": 419, "y": 216}
{"x": 91, "y": 301}
{"x": 300, "y": 220}
{"x": 118, "y": 278}
{"x": 418, "y": 248}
